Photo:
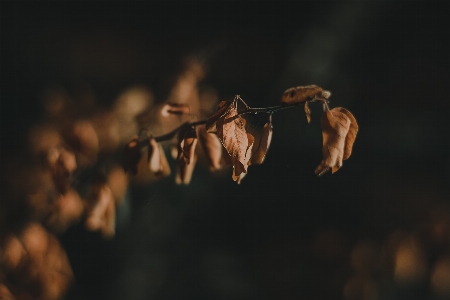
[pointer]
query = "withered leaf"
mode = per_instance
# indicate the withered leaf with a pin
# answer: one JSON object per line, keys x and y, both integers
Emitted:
{"x": 351, "y": 135}
{"x": 101, "y": 215}
{"x": 211, "y": 146}
{"x": 62, "y": 164}
{"x": 266, "y": 138}
{"x": 335, "y": 127}
{"x": 157, "y": 161}
{"x": 211, "y": 122}
{"x": 187, "y": 141}
{"x": 235, "y": 139}
{"x": 300, "y": 94}
{"x": 175, "y": 109}
{"x": 131, "y": 155}
{"x": 184, "y": 171}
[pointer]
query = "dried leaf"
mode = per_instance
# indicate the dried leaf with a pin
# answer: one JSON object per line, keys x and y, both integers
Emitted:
{"x": 351, "y": 135}
{"x": 62, "y": 164}
{"x": 67, "y": 210}
{"x": 83, "y": 138}
{"x": 300, "y": 94}
{"x": 266, "y": 138}
{"x": 169, "y": 109}
{"x": 187, "y": 141}
{"x": 211, "y": 126}
{"x": 37, "y": 264}
{"x": 184, "y": 171}
{"x": 335, "y": 126}
{"x": 131, "y": 155}
{"x": 117, "y": 180}
{"x": 211, "y": 146}
{"x": 235, "y": 139}
{"x": 307, "y": 112}
{"x": 154, "y": 156}
{"x": 100, "y": 217}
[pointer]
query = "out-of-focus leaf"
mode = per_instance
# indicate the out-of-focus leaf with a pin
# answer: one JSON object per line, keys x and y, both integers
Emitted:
{"x": 67, "y": 210}
{"x": 174, "y": 109}
{"x": 62, "y": 164}
{"x": 154, "y": 156}
{"x": 235, "y": 139}
{"x": 266, "y": 138}
{"x": 351, "y": 135}
{"x": 211, "y": 146}
{"x": 36, "y": 264}
{"x": 101, "y": 213}
{"x": 335, "y": 126}
{"x": 187, "y": 141}
{"x": 131, "y": 155}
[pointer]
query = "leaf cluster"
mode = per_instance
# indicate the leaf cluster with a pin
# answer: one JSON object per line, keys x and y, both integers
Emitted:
{"x": 226, "y": 140}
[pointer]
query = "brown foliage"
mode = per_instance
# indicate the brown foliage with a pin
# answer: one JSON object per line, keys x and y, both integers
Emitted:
{"x": 226, "y": 130}
{"x": 339, "y": 133}
{"x": 36, "y": 264}
{"x": 131, "y": 156}
{"x": 211, "y": 146}
{"x": 259, "y": 155}
{"x": 187, "y": 141}
{"x": 101, "y": 211}
{"x": 301, "y": 94}
{"x": 230, "y": 129}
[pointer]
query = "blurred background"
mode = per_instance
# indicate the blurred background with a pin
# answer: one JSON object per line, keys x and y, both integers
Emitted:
{"x": 90, "y": 73}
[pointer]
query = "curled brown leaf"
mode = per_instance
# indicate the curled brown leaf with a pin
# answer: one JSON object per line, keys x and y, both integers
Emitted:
{"x": 335, "y": 127}
{"x": 101, "y": 212}
{"x": 235, "y": 139}
{"x": 130, "y": 156}
{"x": 187, "y": 141}
{"x": 351, "y": 135}
{"x": 154, "y": 159}
{"x": 300, "y": 94}
{"x": 259, "y": 155}
{"x": 211, "y": 146}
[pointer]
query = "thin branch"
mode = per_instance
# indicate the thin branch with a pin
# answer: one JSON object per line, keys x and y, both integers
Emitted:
{"x": 144, "y": 139}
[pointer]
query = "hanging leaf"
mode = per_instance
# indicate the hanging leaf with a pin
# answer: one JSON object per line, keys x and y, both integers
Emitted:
{"x": 266, "y": 138}
{"x": 101, "y": 212}
{"x": 335, "y": 127}
{"x": 211, "y": 146}
{"x": 187, "y": 141}
{"x": 130, "y": 156}
{"x": 157, "y": 161}
{"x": 351, "y": 135}
{"x": 235, "y": 139}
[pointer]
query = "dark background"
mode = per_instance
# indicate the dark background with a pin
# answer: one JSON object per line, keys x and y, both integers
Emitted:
{"x": 283, "y": 233}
